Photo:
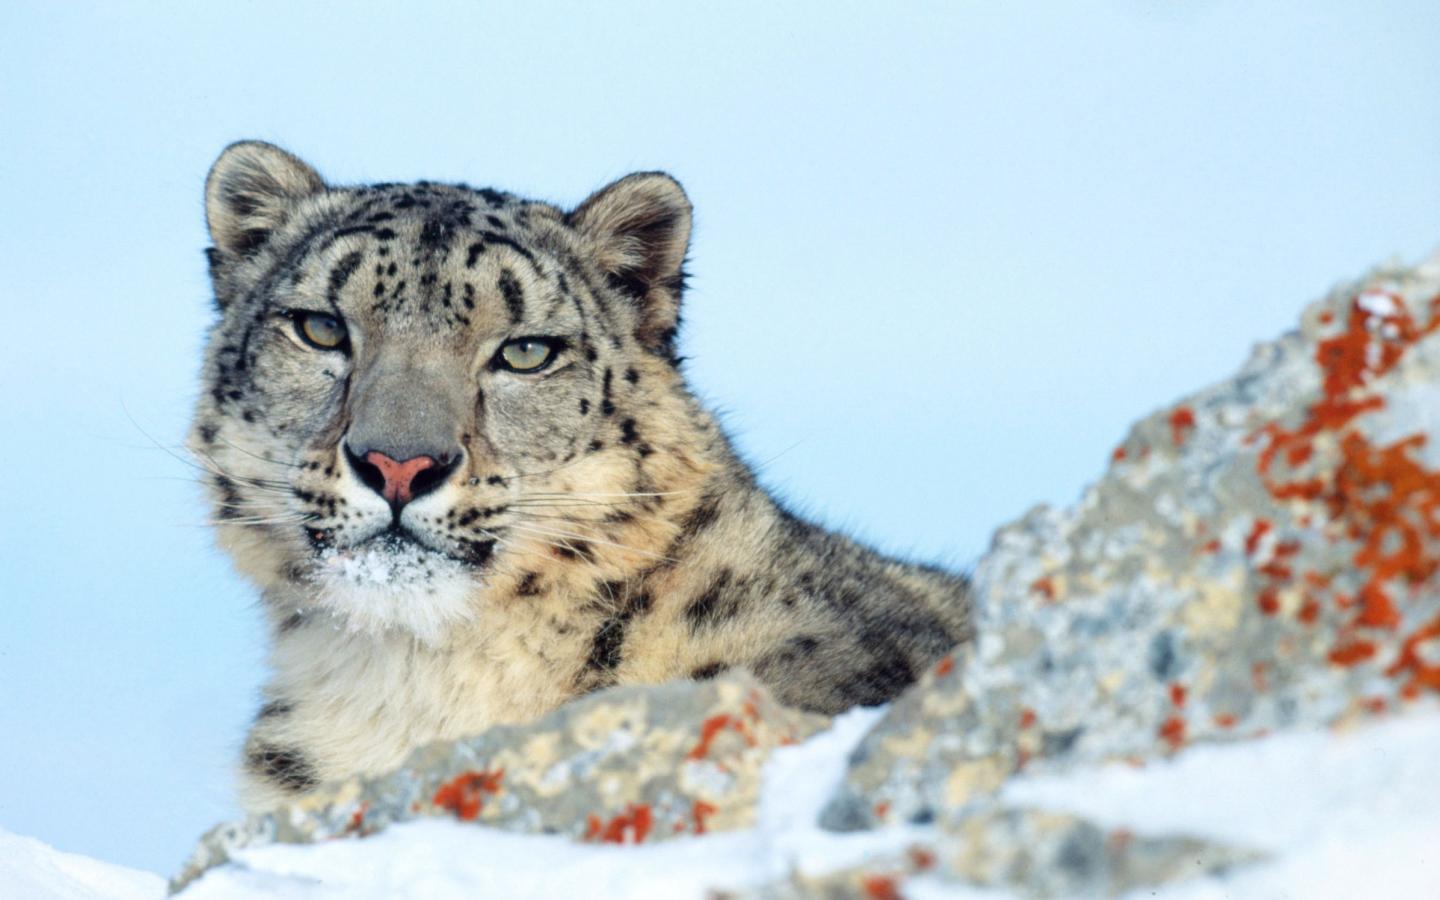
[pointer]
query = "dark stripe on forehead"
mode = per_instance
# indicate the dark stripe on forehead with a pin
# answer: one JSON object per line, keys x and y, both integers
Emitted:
{"x": 290, "y": 264}
{"x": 487, "y": 238}
{"x": 589, "y": 294}
{"x": 575, "y": 301}
{"x": 353, "y": 229}
{"x": 514, "y": 297}
{"x": 607, "y": 406}
{"x": 340, "y": 275}
{"x": 490, "y": 237}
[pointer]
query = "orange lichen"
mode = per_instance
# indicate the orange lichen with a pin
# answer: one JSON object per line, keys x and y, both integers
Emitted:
{"x": 1316, "y": 580}
{"x": 1276, "y": 570}
{"x": 1118, "y": 455}
{"x": 1381, "y": 497}
{"x": 629, "y": 827}
{"x": 1226, "y": 720}
{"x": 882, "y": 809}
{"x": 1182, "y": 420}
{"x": 880, "y": 887}
{"x": 945, "y": 666}
{"x": 922, "y": 859}
{"x": 1211, "y": 546}
{"x": 700, "y": 812}
{"x": 1257, "y": 533}
{"x": 1177, "y": 694}
{"x": 1027, "y": 717}
{"x": 464, "y": 795}
{"x": 1352, "y": 653}
{"x": 357, "y": 818}
{"x": 712, "y": 727}
{"x": 1044, "y": 587}
{"x": 1423, "y": 674}
{"x": 1173, "y": 732}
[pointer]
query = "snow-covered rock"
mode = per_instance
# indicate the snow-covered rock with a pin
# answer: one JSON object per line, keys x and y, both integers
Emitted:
{"x": 1263, "y": 556}
{"x": 628, "y": 765}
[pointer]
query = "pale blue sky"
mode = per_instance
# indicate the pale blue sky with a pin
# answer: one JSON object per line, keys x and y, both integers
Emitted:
{"x": 944, "y": 255}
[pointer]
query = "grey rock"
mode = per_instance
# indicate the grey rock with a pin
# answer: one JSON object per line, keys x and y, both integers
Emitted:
{"x": 1260, "y": 556}
{"x": 627, "y": 765}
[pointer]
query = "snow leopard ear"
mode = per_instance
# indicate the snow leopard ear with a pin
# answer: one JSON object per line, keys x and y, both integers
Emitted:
{"x": 638, "y": 230}
{"x": 252, "y": 189}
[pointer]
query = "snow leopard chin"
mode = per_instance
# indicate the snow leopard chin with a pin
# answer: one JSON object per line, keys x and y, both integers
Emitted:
{"x": 388, "y": 584}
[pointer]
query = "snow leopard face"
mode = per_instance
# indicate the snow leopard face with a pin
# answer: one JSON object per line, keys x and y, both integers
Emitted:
{"x": 416, "y": 391}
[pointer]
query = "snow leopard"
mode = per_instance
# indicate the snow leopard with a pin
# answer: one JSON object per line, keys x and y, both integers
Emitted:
{"x": 446, "y": 432}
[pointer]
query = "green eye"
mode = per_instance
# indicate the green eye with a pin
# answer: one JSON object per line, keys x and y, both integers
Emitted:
{"x": 319, "y": 330}
{"x": 527, "y": 354}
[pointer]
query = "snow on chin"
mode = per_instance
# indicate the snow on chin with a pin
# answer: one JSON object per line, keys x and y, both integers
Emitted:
{"x": 389, "y": 584}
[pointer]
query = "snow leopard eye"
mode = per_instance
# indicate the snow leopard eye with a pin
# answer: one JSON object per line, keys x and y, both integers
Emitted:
{"x": 320, "y": 330}
{"x": 527, "y": 354}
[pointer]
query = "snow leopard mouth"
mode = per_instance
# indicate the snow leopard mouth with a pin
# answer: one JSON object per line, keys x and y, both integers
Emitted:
{"x": 393, "y": 580}
{"x": 404, "y": 546}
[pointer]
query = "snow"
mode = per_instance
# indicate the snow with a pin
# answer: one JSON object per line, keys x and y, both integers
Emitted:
{"x": 1345, "y": 814}
{"x": 1354, "y": 814}
{"x": 395, "y": 584}
{"x": 37, "y": 871}
{"x": 1377, "y": 303}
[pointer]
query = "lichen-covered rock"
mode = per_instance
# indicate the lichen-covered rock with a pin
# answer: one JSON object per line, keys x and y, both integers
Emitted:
{"x": 1260, "y": 556}
{"x": 627, "y": 765}
{"x": 1038, "y": 853}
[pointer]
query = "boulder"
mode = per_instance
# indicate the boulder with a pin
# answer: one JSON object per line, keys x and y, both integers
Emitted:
{"x": 627, "y": 765}
{"x": 1260, "y": 556}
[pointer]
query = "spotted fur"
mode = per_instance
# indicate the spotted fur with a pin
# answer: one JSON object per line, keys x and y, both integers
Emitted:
{"x": 590, "y": 524}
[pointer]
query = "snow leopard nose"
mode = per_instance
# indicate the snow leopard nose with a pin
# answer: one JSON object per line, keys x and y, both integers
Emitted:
{"x": 400, "y": 481}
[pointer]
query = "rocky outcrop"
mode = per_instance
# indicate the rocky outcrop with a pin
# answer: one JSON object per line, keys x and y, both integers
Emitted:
{"x": 628, "y": 765}
{"x": 1261, "y": 556}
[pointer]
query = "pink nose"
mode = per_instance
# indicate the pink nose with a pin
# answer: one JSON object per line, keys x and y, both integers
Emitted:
{"x": 399, "y": 476}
